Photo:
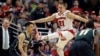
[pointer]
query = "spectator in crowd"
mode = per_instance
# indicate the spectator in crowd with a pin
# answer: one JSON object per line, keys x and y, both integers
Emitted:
{"x": 46, "y": 3}
{"x": 76, "y": 9}
{"x": 18, "y": 7}
{"x": 76, "y": 25}
{"x": 27, "y": 9}
{"x": 55, "y": 28}
{"x": 66, "y": 50}
{"x": 38, "y": 47}
{"x": 98, "y": 18}
{"x": 86, "y": 14}
{"x": 6, "y": 38}
{"x": 24, "y": 38}
{"x": 10, "y": 15}
{"x": 21, "y": 22}
{"x": 93, "y": 15}
{"x": 47, "y": 13}
{"x": 33, "y": 5}
{"x": 5, "y": 8}
{"x": 38, "y": 13}
{"x": 54, "y": 6}
{"x": 47, "y": 50}
{"x": 97, "y": 22}
{"x": 41, "y": 49}
{"x": 53, "y": 49}
{"x": 9, "y": 3}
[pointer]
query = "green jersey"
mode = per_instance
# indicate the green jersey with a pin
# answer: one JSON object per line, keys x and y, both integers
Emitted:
{"x": 86, "y": 35}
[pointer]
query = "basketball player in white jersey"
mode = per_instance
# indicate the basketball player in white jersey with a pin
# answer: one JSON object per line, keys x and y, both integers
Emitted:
{"x": 65, "y": 21}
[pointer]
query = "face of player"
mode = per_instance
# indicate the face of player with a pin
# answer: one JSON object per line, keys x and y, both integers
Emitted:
{"x": 31, "y": 27}
{"x": 61, "y": 8}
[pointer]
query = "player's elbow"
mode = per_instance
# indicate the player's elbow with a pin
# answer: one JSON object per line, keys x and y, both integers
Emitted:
{"x": 50, "y": 18}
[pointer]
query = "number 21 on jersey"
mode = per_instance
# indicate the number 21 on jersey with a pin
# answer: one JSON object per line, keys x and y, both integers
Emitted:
{"x": 61, "y": 22}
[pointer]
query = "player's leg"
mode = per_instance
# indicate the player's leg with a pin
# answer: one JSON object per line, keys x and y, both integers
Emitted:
{"x": 61, "y": 43}
{"x": 54, "y": 35}
{"x": 60, "y": 52}
{"x": 64, "y": 37}
{"x": 50, "y": 36}
{"x": 67, "y": 35}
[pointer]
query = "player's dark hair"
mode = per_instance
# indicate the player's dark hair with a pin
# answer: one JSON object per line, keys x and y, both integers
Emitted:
{"x": 27, "y": 24}
{"x": 90, "y": 24}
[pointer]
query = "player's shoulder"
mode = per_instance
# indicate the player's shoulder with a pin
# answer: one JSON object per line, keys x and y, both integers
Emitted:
{"x": 55, "y": 13}
{"x": 67, "y": 11}
{"x": 22, "y": 35}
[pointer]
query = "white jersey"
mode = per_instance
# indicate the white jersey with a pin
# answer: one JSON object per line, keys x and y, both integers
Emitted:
{"x": 63, "y": 22}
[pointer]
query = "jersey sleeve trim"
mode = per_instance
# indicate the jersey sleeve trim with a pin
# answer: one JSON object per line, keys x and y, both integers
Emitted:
{"x": 67, "y": 12}
{"x": 94, "y": 33}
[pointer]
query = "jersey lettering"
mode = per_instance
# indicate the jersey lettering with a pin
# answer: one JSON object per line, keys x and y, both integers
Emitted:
{"x": 83, "y": 32}
{"x": 61, "y": 22}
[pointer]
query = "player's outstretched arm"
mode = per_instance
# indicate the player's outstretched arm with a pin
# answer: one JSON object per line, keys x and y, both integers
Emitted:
{"x": 47, "y": 19}
{"x": 73, "y": 16}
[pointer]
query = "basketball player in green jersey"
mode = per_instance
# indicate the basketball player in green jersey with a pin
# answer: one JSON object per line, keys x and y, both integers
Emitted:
{"x": 84, "y": 41}
{"x": 24, "y": 38}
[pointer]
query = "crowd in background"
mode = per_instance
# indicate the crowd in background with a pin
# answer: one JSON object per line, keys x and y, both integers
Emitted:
{"x": 27, "y": 10}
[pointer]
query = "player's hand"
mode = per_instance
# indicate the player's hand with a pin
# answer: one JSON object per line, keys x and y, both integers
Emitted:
{"x": 24, "y": 54}
{"x": 32, "y": 21}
